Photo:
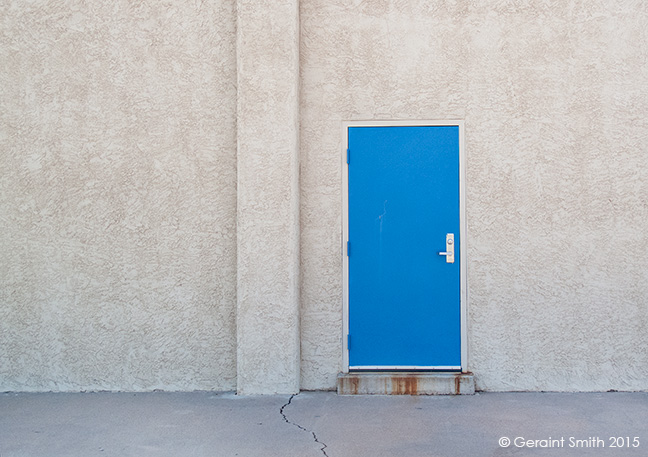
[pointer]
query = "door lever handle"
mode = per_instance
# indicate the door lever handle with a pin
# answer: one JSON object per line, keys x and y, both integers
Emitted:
{"x": 449, "y": 252}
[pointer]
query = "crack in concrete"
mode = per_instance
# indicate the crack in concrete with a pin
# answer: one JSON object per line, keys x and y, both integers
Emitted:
{"x": 281, "y": 411}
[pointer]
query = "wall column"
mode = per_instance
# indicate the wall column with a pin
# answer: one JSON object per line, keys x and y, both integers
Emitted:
{"x": 268, "y": 356}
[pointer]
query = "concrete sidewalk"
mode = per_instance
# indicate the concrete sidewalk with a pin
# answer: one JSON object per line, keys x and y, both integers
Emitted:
{"x": 321, "y": 424}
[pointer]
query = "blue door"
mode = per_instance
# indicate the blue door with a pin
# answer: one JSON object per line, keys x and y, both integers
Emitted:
{"x": 403, "y": 227}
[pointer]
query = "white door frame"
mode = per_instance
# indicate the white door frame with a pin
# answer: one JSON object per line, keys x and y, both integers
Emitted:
{"x": 345, "y": 231}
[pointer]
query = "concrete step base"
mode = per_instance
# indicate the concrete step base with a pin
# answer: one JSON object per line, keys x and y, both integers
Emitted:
{"x": 405, "y": 383}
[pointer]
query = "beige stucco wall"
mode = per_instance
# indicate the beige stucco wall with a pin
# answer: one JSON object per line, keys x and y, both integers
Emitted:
{"x": 554, "y": 95}
{"x": 118, "y": 186}
{"x": 267, "y": 318}
{"x": 117, "y": 195}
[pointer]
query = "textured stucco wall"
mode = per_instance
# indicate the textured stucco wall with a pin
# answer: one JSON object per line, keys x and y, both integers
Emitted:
{"x": 268, "y": 197}
{"x": 554, "y": 95}
{"x": 117, "y": 195}
{"x": 118, "y": 185}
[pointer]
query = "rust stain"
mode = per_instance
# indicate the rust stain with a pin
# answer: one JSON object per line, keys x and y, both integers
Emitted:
{"x": 351, "y": 385}
{"x": 355, "y": 382}
{"x": 407, "y": 385}
{"x": 457, "y": 384}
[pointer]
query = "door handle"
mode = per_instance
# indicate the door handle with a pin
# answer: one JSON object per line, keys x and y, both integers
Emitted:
{"x": 449, "y": 252}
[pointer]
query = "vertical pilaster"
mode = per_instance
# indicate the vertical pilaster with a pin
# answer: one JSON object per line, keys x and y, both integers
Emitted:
{"x": 268, "y": 196}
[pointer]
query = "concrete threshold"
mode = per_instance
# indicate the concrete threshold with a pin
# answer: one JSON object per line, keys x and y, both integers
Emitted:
{"x": 405, "y": 383}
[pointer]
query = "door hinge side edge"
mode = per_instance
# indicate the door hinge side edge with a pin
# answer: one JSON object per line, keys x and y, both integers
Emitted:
{"x": 348, "y": 341}
{"x": 348, "y": 156}
{"x": 348, "y": 248}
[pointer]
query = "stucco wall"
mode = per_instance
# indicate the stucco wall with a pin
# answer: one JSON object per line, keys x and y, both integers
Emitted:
{"x": 118, "y": 185}
{"x": 117, "y": 195}
{"x": 554, "y": 95}
{"x": 267, "y": 318}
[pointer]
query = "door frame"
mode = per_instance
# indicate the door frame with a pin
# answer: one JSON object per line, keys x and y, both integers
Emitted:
{"x": 345, "y": 230}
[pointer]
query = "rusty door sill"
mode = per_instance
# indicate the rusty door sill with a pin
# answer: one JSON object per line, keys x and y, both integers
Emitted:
{"x": 405, "y": 383}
